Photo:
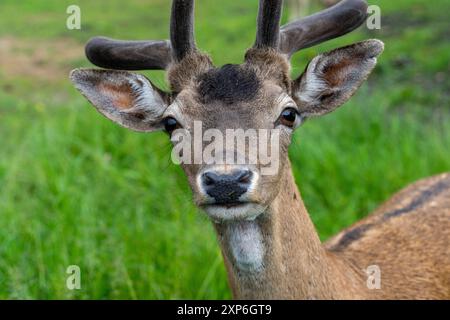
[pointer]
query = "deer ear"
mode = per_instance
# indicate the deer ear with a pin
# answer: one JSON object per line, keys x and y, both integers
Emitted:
{"x": 330, "y": 79}
{"x": 126, "y": 98}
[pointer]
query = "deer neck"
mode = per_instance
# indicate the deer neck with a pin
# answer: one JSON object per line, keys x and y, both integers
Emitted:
{"x": 279, "y": 254}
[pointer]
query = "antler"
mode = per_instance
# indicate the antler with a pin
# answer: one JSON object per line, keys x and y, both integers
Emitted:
{"x": 328, "y": 24}
{"x": 268, "y": 24}
{"x": 128, "y": 55}
{"x": 150, "y": 54}
{"x": 331, "y": 23}
{"x": 182, "y": 28}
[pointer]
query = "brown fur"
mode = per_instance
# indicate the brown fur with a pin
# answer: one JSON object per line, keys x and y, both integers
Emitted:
{"x": 334, "y": 72}
{"x": 412, "y": 252}
{"x": 181, "y": 75}
{"x": 121, "y": 94}
{"x": 413, "y": 248}
{"x": 271, "y": 65}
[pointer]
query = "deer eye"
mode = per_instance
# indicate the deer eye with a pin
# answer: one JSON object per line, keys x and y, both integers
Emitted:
{"x": 170, "y": 124}
{"x": 289, "y": 118}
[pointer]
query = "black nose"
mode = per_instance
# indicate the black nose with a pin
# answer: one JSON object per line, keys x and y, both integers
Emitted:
{"x": 226, "y": 188}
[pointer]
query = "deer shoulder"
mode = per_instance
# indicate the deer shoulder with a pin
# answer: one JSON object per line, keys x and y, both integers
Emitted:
{"x": 407, "y": 237}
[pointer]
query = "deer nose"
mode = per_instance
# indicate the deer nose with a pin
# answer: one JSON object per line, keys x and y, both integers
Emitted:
{"x": 226, "y": 188}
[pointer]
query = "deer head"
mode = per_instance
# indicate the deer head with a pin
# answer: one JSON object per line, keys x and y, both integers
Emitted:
{"x": 257, "y": 94}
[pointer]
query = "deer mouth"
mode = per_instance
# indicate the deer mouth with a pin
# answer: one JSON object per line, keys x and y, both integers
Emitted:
{"x": 233, "y": 211}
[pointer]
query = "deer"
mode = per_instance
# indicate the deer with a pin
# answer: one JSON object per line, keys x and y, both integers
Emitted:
{"x": 270, "y": 247}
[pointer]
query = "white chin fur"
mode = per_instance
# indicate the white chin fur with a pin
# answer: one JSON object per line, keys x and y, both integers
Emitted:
{"x": 246, "y": 245}
{"x": 244, "y": 211}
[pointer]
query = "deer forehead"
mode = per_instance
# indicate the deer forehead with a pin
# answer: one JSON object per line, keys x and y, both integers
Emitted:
{"x": 232, "y": 96}
{"x": 224, "y": 108}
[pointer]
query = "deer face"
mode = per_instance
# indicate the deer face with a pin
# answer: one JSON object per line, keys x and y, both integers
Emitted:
{"x": 256, "y": 97}
{"x": 247, "y": 101}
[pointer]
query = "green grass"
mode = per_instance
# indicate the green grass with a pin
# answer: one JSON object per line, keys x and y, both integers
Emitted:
{"x": 76, "y": 189}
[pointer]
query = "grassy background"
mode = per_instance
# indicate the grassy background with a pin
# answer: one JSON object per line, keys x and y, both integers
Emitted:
{"x": 76, "y": 189}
